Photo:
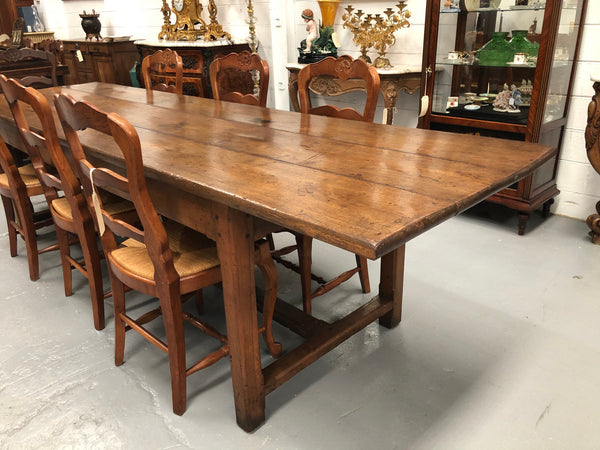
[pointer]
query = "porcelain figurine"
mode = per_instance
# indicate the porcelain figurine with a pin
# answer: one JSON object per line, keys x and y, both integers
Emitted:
{"x": 311, "y": 29}
{"x": 319, "y": 42}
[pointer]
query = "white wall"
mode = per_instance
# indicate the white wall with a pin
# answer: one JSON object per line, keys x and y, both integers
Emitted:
{"x": 280, "y": 30}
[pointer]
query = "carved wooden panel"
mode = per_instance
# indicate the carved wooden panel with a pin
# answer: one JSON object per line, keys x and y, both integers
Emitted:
{"x": 592, "y": 146}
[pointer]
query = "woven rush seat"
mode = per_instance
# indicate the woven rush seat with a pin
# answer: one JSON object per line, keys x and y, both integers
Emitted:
{"x": 192, "y": 252}
{"x": 115, "y": 205}
{"x": 28, "y": 176}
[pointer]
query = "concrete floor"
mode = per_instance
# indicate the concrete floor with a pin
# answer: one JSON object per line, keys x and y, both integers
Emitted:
{"x": 499, "y": 347}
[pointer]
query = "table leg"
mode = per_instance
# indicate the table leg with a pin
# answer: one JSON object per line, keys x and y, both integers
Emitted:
{"x": 391, "y": 285}
{"x": 235, "y": 244}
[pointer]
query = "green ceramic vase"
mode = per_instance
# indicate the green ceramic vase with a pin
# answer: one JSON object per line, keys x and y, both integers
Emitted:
{"x": 496, "y": 52}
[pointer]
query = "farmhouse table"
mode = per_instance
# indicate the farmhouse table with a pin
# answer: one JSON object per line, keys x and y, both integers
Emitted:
{"x": 236, "y": 172}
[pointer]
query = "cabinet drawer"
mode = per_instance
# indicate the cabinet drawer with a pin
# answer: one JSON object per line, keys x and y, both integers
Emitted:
{"x": 98, "y": 49}
{"x": 72, "y": 47}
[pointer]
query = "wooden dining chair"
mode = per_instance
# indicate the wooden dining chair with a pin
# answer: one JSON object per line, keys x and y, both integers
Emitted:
{"x": 17, "y": 186}
{"x": 167, "y": 260}
{"x": 232, "y": 78}
{"x": 343, "y": 68}
{"x": 163, "y": 71}
{"x": 70, "y": 211}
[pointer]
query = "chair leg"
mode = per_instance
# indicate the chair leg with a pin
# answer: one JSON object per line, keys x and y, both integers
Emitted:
{"x": 91, "y": 256}
{"x": 199, "y": 302}
{"x": 118, "y": 294}
{"x": 25, "y": 213}
{"x": 63, "y": 245}
{"x": 169, "y": 296}
{"x": 363, "y": 273}
{"x": 265, "y": 263}
{"x": 9, "y": 212}
{"x": 304, "y": 244}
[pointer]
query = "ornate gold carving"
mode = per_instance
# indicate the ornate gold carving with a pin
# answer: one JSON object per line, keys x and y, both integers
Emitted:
{"x": 376, "y": 31}
{"x": 214, "y": 30}
{"x": 189, "y": 24}
{"x": 592, "y": 145}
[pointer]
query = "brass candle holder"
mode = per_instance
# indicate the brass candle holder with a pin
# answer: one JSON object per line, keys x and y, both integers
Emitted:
{"x": 376, "y": 31}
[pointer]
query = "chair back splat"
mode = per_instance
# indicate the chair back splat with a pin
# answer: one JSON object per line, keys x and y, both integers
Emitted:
{"x": 344, "y": 68}
{"x": 163, "y": 71}
{"x": 232, "y": 78}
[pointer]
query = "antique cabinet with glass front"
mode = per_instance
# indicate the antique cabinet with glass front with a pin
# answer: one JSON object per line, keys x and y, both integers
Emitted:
{"x": 503, "y": 68}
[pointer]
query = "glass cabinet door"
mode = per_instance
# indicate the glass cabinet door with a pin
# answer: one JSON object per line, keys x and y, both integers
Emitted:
{"x": 486, "y": 59}
{"x": 563, "y": 60}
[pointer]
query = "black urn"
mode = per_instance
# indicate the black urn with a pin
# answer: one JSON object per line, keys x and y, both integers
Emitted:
{"x": 91, "y": 25}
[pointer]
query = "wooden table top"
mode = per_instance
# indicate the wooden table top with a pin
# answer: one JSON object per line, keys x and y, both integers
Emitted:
{"x": 364, "y": 187}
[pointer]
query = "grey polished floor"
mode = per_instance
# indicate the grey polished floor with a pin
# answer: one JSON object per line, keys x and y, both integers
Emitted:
{"x": 499, "y": 348}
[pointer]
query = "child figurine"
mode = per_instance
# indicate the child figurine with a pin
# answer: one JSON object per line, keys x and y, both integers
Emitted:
{"x": 311, "y": 28}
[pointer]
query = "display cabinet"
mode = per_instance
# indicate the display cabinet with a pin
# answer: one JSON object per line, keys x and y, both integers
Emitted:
{"x": 503, "y": 68}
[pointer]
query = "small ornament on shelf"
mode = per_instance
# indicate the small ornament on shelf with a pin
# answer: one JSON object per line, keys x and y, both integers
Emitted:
{"x": 508, "y": 100}
{"x": 320, "y": 41}
{"x": 91, "y": 25}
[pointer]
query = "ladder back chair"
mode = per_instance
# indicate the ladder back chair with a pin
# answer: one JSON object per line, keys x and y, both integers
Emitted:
{"x": 167, "y": 260}
{"x": 70, "y": 212}
{"x": 343, "y": 67}
{"x": 231, "y": 78}
{"x": 17, "y": 186}
{"x": 163, "y": 71}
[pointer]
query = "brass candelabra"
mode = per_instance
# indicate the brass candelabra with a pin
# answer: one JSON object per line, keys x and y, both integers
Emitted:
{"x": 376, "y": 30}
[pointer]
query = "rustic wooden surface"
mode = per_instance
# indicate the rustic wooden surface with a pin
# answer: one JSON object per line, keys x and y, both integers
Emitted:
{"x": 228, "y": 170}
